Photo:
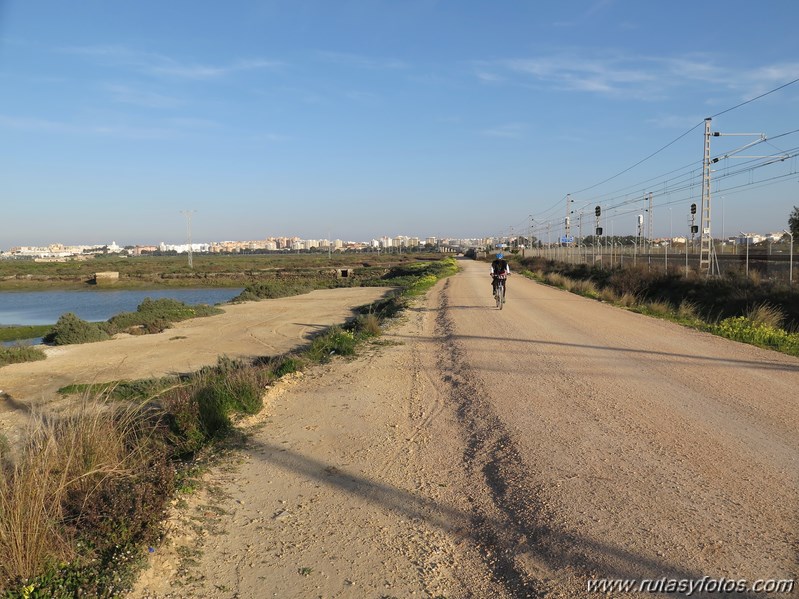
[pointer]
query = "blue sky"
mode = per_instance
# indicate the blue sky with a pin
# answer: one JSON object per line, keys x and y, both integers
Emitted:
{"x": 360, "y": 118}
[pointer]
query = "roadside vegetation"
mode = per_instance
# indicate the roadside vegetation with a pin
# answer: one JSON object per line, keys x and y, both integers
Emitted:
{"x": 14, "y": 333}
{"x": 84, "y": 499}
{"x": 151, "y": 316}
{"x": 736, "y": 307}
{"x": 16, "y": 355}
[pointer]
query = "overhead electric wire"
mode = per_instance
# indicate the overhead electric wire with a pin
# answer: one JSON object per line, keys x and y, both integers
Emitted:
{"x": 776, "y": 89}
{"x": 689, "y": 176}
{"x": 656, "y": 152}
{"x": 751, "y": 165}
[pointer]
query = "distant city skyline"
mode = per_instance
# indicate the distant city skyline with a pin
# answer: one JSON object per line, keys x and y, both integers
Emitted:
{"x": 445, "y": 117}
{"x": 294, "y": 242}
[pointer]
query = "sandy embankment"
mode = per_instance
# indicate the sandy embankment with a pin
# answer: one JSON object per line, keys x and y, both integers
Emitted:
{"x": 269, "y": 327}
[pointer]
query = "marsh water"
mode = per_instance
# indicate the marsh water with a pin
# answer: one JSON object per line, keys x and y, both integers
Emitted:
{"x": 45, "y": 307}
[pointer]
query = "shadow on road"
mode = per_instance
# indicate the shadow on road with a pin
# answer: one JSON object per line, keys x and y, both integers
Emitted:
{"x": 559, "y": 549}
{"x": 693, "y": 359}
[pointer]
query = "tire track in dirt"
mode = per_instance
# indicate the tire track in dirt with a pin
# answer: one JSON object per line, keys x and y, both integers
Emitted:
{"x": 508, "y": 522}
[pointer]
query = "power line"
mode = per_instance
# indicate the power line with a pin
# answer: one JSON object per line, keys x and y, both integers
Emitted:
{"x": 776, "y": 89}
{"x": 672, "y": 142}
{"x": 656, "y": 152}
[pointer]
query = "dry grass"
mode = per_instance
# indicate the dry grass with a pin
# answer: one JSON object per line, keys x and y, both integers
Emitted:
{"x": 687, "y": 310}
{"x": 606, "y": 294}
{"x": 628, "y": 300}
{"x": 369, "y": 324}
{"x": 659, "y": 308}
{"x": 64, "y": 456}
{"x": 555, "y": 279}
{"x": 766, "y": 314}
{"x": 586, "y": 287}
{"x": 568, "y": 284}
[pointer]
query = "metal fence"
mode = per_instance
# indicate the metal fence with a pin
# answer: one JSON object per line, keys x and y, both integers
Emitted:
{"x": 772, "y": 263}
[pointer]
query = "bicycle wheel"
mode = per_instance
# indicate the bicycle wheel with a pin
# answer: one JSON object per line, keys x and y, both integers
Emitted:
{"x": 501, "y": 296}
{"x": 497, "y": 295}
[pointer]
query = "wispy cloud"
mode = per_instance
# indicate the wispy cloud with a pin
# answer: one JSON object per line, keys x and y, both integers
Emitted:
{"x": 608, "y": 76}
{"x": 173, "y": 68}
{"x": 488, "y": 77}
{"x": 160, "y": 65}
{"x": 642, "y": 77}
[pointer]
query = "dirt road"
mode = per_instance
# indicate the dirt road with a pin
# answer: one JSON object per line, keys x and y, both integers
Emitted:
{"x": 521, "y": 453}
{"x": 251, "y": 329}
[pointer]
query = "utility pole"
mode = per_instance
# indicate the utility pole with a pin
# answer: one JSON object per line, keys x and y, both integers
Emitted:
{"x": 649, "y": 225}
{"x": 568, "y": 215}
{"x": 706, "y": 253}
{"x": 707, "y": 256}
{"x": 187, "y": 214}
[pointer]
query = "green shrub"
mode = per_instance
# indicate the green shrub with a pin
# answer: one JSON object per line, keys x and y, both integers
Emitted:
{"x": 231, "y": 387}
{"x": 16, "y": 355}
{"x": 740, "y": 328}
{"x": 72, "y": 329}
{"x": 286, "y": 366}
{"x": 155, "y": 316}
{"x": 277, "y": 288}
{"x": 137, "y": 390}
{"x": 16, "y": 333}
{"x": 336, "y": 341}
{"x": 417, "y": 277}
{"x": 213, "y": 412}
{"x": 368, "y": 325}
{"x": 182, "y": 409}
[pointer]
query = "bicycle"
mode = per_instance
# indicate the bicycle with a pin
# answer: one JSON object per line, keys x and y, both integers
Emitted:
{"x": 499, "y": 290}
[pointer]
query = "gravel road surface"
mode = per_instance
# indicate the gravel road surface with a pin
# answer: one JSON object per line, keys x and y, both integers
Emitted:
{"x": 473, "y": 452}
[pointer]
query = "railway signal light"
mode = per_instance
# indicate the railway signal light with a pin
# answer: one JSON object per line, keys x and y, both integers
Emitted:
{"x": 693, "y": 208}
{"x": 597, "y": 210}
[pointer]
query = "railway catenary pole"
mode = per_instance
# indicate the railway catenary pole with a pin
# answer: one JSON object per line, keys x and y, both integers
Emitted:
{"x": 649, "y": 228}
{"x": 706, "y": 240}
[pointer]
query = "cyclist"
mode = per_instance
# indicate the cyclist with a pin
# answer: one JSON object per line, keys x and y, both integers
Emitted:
{"x": 499, "y": 267}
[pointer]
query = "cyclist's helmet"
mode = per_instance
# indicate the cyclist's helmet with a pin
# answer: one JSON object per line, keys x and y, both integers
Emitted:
{"x": 500, "y": 255}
